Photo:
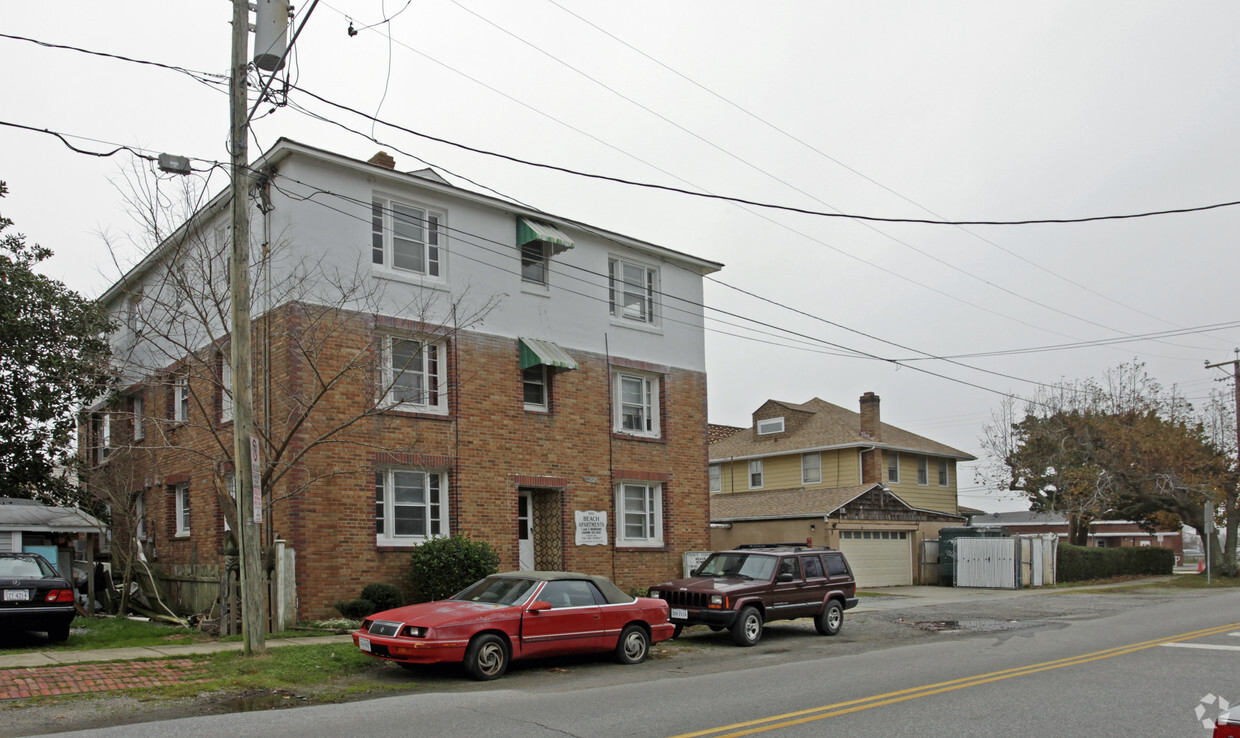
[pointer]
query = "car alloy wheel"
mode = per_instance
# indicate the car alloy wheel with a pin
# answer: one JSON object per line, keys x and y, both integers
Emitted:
{"x": 633, "y": 646}
{"x": 487, "y": 657}
{"x": 748, "y": 628}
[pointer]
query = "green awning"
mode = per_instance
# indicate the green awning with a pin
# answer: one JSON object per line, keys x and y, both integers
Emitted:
{"x": 535, "y": 352}
{"x": 531, "y": 230}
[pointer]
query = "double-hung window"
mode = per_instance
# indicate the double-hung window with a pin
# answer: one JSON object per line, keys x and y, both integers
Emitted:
{"x": 716, "y": 478}
{"x": 893, "y": 467}
{"x": 410, "y": 506}
{"x": 534, "y": 262}
{"x": 755, "y": 474}
{"x": 180, "y": 399}
{"x": 534, "y": 381}
{"x": 182, "y": 508}
{"x": 633, "y": 287}
{"x": 637, "y": 404}
{"x": 923, "y": 470}
{"x": 226, "y": 388}
{"x": 412, "y": 375}
{"x": 137, "y": 405}
{"x": 139, "y": 516}
{"x": 103, "y": 436}
{"x": 942, "y": 472}
{"x": 811, "y": 468}
{"x": 640, "y": 508}
{"x": 405, "y": 237}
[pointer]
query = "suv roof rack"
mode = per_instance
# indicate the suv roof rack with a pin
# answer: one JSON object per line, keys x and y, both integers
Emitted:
{"x": 798, "y": 546}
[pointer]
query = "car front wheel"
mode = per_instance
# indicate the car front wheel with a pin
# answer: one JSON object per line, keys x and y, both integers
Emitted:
{"x": 634, "y": 645}
{"x": 487, "y": 657}
{"x": 830, "y": 620}
{"x": 748, "y": 628}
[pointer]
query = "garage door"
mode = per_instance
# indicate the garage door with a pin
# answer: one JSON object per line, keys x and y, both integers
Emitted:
{"x": 879, "y": 558}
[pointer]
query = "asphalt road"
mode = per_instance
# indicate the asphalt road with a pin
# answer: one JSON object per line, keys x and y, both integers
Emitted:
{"x": 1140, "y": 669}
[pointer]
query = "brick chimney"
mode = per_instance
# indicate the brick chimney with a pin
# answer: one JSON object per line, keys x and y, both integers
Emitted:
{"x": 871, "y": 428}
{"x": 383, "y": 160}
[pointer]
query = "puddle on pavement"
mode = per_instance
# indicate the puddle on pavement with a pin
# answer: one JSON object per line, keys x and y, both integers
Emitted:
{"x": 265, "y": 701}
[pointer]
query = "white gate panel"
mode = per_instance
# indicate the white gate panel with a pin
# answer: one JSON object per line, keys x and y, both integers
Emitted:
{"x": 986, "y": 562}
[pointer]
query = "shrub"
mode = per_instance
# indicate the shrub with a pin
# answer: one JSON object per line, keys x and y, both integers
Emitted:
{"x": 384, "y": 596}
{"x": 441, "y": 567}
{"x": 1080, "y": 563}
{"x": 356, "y": 609}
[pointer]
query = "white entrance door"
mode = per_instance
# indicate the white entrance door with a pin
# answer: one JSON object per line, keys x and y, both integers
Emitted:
{"x": 525, "y": 532}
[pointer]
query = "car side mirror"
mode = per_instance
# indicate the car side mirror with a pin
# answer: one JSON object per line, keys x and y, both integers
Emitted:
{"x": 695, "y": 572}
{"x": 785, "y": 577}
{"x": 539, "y": 606}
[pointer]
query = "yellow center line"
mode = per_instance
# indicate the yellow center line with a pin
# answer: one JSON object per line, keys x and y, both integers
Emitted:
{"x": 889, "y": 698}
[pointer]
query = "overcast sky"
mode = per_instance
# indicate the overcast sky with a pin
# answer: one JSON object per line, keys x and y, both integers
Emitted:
{"x": 952, "y": 111}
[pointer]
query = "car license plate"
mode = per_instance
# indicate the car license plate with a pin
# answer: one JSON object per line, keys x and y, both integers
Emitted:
{"x": 364, "y": 644}
{"x": 16, "y": 595}
{"x": 680, "y": 613}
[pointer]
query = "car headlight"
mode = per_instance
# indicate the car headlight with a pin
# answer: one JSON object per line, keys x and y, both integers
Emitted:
{"x": 414, "y": 631}
{"x": 716, "y": 600}
{"x": 654, "y": 593}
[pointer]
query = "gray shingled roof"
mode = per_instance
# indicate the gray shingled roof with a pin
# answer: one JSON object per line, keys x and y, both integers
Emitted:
{"x": 783, "y": 503}
{"x": 829, "y": 426}
{"x": 18, "y": 514}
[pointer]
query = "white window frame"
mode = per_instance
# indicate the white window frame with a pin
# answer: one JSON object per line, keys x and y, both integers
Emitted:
{"x": 230, "y": 484}
{"x": 139, "y": 510}
{"x": 646, "y": 513}
{"x": 427, "y": 232}
{"x": 769, "y": 426}
{"x": 536, "y": 263}
{"x": 226, "y": 389}
{"x": 815, "y": 467}
{"x": 715, "y": 474}
{"x": 180, "y": 399}
{"x": 139, "y": 410}
{"x": 434, "y": 505}
{"x": 642, "y": 417}
{"x": 893, "y": 465}
{"x": 755, "y": 471}
{"x": 103, "y": 444}
{"x": 923, "y": 471}
{"x": 536, "y": 375}
{"x": 944, "y": 473}
{"x": 627, "y": 278}
{"x": 429, "y": 364}
{"x": 181, "y": 492}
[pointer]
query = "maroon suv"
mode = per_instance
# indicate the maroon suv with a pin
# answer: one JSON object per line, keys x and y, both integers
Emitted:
{"x": 743, "y": 588}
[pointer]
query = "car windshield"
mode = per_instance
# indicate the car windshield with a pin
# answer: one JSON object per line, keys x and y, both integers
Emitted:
{"x": 753, "y": 566}
{"x": 25, "y": 566}
{"x": 497, "y": 591}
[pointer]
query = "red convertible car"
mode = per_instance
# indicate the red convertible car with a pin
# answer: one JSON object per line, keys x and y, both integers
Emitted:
{"x": 518, "y": 615}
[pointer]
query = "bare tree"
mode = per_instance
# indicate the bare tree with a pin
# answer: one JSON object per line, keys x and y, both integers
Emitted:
{"x": 326, "y": 365}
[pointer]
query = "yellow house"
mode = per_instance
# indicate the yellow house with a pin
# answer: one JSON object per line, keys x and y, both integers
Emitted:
{"x": 819, "y": 473}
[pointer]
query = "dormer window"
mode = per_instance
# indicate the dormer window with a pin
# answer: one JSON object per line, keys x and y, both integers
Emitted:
{"x": 770, "y": 425}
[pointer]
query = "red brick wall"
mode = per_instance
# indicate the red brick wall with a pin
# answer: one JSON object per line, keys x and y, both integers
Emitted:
{"x": 488, "y": 444}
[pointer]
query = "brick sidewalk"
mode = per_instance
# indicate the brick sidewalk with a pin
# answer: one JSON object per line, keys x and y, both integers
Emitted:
{"x": 46, "y": 681}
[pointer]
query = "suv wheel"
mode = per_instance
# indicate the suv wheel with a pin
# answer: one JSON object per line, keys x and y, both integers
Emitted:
{"x": 748, "y": 628}
{"x": 831, "y": 619}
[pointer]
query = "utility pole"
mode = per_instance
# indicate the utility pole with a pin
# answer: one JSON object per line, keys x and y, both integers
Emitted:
{"x": 249, "y": 498}
{"x": 1231, "y": 518}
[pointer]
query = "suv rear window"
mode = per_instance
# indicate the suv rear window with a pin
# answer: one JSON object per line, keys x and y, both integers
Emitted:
{"x": 835, "y": 564}
{"x": 754, "y": 566}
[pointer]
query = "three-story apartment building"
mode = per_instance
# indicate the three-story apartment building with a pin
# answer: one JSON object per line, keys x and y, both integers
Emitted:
{"x": 428, "y": 361}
